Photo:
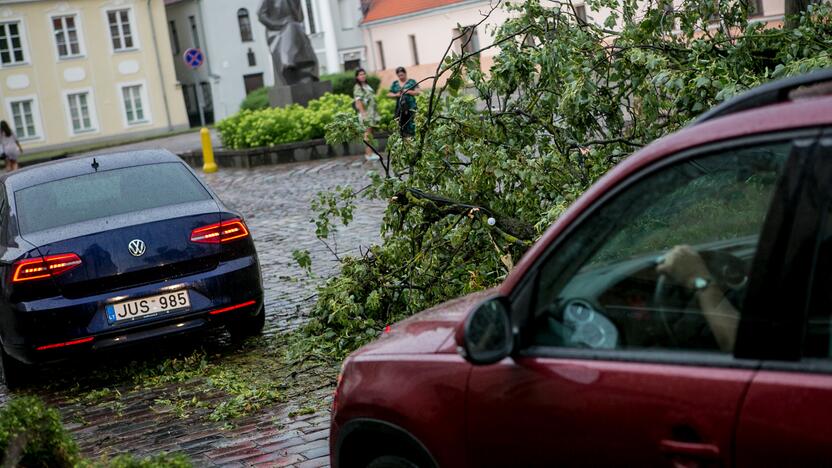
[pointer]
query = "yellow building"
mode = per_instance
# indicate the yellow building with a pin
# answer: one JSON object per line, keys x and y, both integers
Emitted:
{"x": 82, "y": 71}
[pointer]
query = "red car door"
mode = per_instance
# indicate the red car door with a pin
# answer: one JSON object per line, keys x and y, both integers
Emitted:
{"x": 786, "y": 418}
{"x": 627, "y": 353}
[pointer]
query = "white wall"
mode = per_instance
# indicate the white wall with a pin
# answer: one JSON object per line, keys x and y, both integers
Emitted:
{"x": 227, "y": 54}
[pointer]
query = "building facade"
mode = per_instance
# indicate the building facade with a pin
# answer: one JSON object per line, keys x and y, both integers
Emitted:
{"x": 333, "y": 27}
{"x": 237, "y": 57}
{"x": 84, "y": 71}
{"x": 415, "y": 35}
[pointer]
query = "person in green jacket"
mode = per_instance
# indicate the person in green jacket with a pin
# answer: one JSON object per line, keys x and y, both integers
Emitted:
{"x": 405, "y": 90}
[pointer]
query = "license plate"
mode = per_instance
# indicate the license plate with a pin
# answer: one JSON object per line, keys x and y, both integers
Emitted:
{"x": 152, "y": 305}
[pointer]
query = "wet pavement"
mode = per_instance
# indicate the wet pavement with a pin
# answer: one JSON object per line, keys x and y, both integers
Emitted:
{"x": 170, "y": 406}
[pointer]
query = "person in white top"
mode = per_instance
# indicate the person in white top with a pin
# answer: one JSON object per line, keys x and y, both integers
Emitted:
{"x": 10, "y": 146}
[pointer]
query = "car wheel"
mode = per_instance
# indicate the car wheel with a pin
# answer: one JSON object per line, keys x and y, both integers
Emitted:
{"x": 391, "y": 461}
{"x": 15, "y": 373}
{"x": 247, "y": 326}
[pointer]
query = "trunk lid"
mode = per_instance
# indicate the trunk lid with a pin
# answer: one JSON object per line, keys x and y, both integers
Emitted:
{"x": 104, "y": 248}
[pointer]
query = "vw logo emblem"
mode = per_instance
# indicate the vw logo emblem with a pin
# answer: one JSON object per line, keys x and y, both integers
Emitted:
{"x": 136, "y": 247}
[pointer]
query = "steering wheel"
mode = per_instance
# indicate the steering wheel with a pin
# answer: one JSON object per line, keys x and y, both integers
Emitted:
{"x": 728, "y": 272}
{"x": 659, "y": 303}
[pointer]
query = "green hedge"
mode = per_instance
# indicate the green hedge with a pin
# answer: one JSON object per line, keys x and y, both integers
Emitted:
{"x": 274, "y": 126}
{"x": 256, "y": 100}
{"x": 342, "y": 83}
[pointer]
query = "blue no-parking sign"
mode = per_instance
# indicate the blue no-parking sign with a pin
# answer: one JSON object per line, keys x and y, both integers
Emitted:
{"x": 194, "y": 57}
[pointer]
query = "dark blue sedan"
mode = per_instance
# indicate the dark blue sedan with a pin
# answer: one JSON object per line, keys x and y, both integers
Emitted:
{"x": 103, "y": 252}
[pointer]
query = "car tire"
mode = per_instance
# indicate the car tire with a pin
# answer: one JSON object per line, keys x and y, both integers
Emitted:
{"x": 247, "y": 326}
{"x": 391, "y": 461}
{"x": 15, "y": 373}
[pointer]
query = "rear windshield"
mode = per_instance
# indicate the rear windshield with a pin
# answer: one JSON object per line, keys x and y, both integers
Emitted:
{"x": 106, "y": 193}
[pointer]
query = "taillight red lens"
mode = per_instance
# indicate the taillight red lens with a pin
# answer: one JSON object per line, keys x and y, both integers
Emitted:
{"x": 40, "y": 268}
{"x": 222, "y": 232}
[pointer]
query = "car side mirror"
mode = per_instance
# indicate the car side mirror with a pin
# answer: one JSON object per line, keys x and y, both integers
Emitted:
{"x": 487, "y": 336}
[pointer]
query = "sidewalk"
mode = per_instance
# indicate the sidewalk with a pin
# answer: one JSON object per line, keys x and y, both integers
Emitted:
{"x": 176, "y": 144}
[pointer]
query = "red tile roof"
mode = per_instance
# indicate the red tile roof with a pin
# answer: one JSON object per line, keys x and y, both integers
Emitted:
{"x": 384, "y": 9}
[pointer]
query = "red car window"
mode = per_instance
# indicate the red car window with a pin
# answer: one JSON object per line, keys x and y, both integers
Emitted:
{"x": 666, "y": 262}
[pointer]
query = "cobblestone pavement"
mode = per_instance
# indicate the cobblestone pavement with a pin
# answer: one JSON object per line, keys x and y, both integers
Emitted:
{"x": 115, "y": 415}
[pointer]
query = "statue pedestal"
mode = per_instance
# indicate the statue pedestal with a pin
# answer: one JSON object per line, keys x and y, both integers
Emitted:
{"x": 301, "y": 93}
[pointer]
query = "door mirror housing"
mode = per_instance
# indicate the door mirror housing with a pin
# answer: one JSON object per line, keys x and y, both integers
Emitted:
{"x": 487, "y": 335}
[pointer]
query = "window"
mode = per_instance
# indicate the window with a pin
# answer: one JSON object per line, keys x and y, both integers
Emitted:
{"x": 310, "y": 18}
{"x": 380, "y": 49}
{"x": 79, "y": 112}
{"x": 194, "y": 31}
{"x": 468, "y": 41}
{"x": 207, "y": 97}
{"x": 66, "y": 36}
{"x": 23, "y": 119}
{"x": 121, "y": 32}
{"x": 245, "y": 25}
{"x": 347, "y": 10}
{"x": 601, "y": 290}
{"x": 252, "y": 59}
{"x": 174, "y": 38}
{"x": 11, "y": 44}
{"x": 133, "y": 105}
{"x": 413, "y": 49}
{"x": 755, "y": 8}
{"x": 106, "y": 193}
{"x": 580, "y": 14}
{"x": 253, "y": 82}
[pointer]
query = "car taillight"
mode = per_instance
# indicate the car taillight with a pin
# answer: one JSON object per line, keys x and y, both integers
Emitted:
{"x": 44, "y": 267}
{"x": 221, "y": 232}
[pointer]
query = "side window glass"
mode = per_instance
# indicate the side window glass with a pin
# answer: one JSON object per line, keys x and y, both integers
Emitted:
{"x": 817, "y": 341}
{"x": 665, "y": 263}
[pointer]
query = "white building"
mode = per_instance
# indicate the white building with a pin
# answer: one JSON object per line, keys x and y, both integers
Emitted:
{"x": 237, "y": 57}
{"x": 415, "y": 35}
{"x": 333, "y": 29}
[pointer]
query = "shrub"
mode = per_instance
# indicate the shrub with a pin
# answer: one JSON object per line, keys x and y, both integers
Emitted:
{"x": 342, "y": 83}
{"x": 274, "y": 126}
{"x": 32, "y": 435}
{"x": 256, "y": 100}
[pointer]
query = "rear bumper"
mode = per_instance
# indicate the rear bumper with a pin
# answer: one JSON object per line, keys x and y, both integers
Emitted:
{"x": 234, "y": 289}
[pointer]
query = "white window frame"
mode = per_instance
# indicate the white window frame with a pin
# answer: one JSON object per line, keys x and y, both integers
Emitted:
{"x": 148, "y": 116}
{"x": 79, "y": 30}
{"x": 35, "y": 116}
{"x": 134, "y": 30}
{"x": 94, "y": 128}
{"x": 24, "y": 43}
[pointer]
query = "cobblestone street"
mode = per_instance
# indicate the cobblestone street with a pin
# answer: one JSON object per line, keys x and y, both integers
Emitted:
{"x": 170, "y": 410}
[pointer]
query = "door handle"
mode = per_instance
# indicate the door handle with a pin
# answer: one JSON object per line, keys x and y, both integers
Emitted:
{"x": 690, "y": 449}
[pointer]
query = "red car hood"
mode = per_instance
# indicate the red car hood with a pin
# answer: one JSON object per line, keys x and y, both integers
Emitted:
{"x": 427, "y": 331}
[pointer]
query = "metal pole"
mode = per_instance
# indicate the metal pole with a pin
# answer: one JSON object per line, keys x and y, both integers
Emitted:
{"x": 198, "y": 92}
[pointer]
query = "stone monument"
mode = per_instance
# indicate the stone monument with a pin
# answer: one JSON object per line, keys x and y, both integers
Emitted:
{"x": 295, "y": 64}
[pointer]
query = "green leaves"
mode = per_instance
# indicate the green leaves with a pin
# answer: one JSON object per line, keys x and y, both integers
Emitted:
{"x": 274, "y": 126}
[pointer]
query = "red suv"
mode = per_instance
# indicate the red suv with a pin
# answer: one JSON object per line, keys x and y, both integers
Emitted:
{"x": 679, "y": 313}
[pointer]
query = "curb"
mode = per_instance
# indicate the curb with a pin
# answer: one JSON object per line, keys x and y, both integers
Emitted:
{"x": 309, "y": 150}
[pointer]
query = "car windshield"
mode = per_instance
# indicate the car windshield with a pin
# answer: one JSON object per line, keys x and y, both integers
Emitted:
{"x": 106, "y": 193}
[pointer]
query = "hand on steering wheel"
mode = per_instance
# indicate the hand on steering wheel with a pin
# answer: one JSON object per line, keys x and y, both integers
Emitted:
{"x": 682, "y": 265}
